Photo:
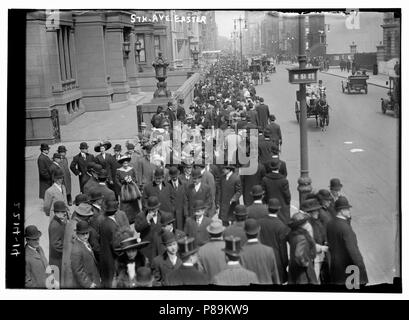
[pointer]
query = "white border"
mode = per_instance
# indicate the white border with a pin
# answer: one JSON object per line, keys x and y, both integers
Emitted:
{"x": 182, "y": 295}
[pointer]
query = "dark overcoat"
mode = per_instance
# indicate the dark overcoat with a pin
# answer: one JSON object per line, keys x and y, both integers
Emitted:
{"x": 79, "y": 168}
{"x": 248, "y": 181}
{"x": 198, "y": 232}
{"x": 273, "y": 233}
{"x": 263, "y": 115}
{"x": 164, "y": 195}
{"x": 56, "y": 231}
{"x": 203, "y": 194}
{"x": 257, "y": 211}
{"x": 107, "y": 230}
{"x": 44, "y": 163}
{"x": 276, "y": 186}
{"x": 147, "y": 232}
{"x": 162, "y": 266}
{"x": 186, "y": 275}
{"x": 344, "y": 251}
{"x": 36, "y": 265}
{"x": 178, "y": 202}
{"x": 230, "y": 190}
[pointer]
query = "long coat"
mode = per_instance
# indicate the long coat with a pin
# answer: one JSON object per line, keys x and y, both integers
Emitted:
{"x": 261, "y": 260}
{"x": 36, "y": 265}
{"x": 276, "y": 186}
{"x": 79, "y": 168}
{"x": 105, "y": 191}
{"x": 208, "y": 179}
{"x": 273, "y": 233}
{"x": 198, "y": 232}
{"x": 186, "y": 275}
{"x": 265, "y": 150}
{"x": 212, "y": 259}
{"x": 302, "y": 255}
{"x": 54, "y": 168}
{"x": 263, "y": 115}
{"x": 158, "y": 248}
{"x": 230, "y": 190}
{"x": 248, "y": 181}
{"x": 177, "y": 199}
{"x": 274, "y": 132}
{"x": 257, "y": 211}
{"x": 235, "y": 275}
{"x": 67, "y": 280}
{"x": 107, "y": 230}
{"x": 84, "y": 266}
{"x": 162, "y": 266}
{"x": 344, "y": 251}
{"x": 204, "y": 194}
{"x": 56, "y": 231}
{"x": 90, "y": 185}
{"x": 164, "y": 195}
{"x": 67, "y": 175}
{"x": 108, "y": 164}
{"x": 51, "y": 196}
{"x": 147, "y": 232}
{"x": 43, "y": 163}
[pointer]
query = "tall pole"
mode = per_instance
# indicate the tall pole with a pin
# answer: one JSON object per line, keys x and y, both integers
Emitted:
{"x": 241, "y": 47}
{"x": 304, "y": 182}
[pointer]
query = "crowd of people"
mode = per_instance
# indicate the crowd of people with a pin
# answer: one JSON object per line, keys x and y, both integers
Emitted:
{"x": 141, "y": 221}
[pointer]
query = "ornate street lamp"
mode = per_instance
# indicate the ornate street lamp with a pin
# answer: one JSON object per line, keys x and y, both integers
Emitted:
{"x": 138, "y": 48}
{"x": 195, "y": 55}
{"x": 160, "y": 64}
{"x": 302, "y": 76}
{"x": 126, "y": 47}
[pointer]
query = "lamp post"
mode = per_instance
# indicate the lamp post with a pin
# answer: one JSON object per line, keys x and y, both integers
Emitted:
{"x": 195, "y": 55}
{"x": 240, "y": 20}
{"x": 160, "y": 65}
{"x": 303, "y": 75}
{"x": 138, "y": 48}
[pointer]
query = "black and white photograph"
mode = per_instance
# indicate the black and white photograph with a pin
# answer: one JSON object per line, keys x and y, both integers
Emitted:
{"x": 224, "y": 149}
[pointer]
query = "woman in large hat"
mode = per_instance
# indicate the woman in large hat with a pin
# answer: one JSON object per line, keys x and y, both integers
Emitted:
{"x": 302, "y": 250}
{"x": 130, "y": 258}
{"x": 130, "y": 195}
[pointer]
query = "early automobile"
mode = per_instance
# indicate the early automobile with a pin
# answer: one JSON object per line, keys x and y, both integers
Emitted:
{"x": 355, "y": 83}
{"x": 393, "y": 101}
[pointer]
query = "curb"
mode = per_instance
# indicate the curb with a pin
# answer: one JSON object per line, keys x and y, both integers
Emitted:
{"x": 369, "y": 82}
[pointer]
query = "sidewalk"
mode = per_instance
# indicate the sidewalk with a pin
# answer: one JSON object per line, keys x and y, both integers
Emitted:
{"x": 378, "y": 80}
{"x": 116, "y": 125}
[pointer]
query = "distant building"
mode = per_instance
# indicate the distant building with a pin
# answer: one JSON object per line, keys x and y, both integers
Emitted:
{"x": 208, "y": 33}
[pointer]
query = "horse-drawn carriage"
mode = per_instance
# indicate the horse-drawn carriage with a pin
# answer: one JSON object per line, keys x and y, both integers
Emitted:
{"x": 317, "y": 107}
{"x": 393, "y": 101}
{"x": 355, "y": 83}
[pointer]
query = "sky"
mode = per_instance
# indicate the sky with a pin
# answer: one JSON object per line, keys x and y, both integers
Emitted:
{"x": 224, "y": 20}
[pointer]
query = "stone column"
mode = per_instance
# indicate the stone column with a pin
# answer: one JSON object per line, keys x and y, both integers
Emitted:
{"x": 131, "y": 67}
{"x": 116, "y": 61}
{"x": 91, "y": 60}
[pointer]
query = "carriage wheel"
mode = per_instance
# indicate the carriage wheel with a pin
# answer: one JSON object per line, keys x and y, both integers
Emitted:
{"x": 383, "y": 107}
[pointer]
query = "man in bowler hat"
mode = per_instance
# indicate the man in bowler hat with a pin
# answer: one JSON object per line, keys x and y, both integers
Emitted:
{"x": 343, "y": 244}
{"x": 56, "y": 231}
{"x": 196, "y": 226}
{"x": 62, "y": 150}
{"x": 187, "y": 274}
{"x": 79, "y": 164}
{"x": 44, "y": 163}
{"x": 36, "y": 262}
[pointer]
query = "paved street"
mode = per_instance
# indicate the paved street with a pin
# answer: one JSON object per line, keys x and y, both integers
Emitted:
{"x": 370, "y": 176}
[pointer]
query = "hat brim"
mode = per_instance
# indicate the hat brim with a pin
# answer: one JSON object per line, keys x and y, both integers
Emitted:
{"x": 294, "y": 224}
{"x": 139, "y": 245}
{"x": 107, "y": 146}
{"x": 218, "y": 231}
{"x": 199, "y": 208}
{"x": 253, "y": 232}
{"x": 154, "y": 207}
{"x": 83, "y": 215}
{"x": 257, "y": 194}
{"x": 167, "y": 222}
{"x": 83, "y": 231}
{"x": 121, "y": 161}
{"x": 343, "y": 207}
{"x": 232, "y": 253}
{"x": 35, "y": 237}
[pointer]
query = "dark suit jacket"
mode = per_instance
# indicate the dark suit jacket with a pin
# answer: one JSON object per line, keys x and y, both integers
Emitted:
{"x": 79, "y": 167}
{"x": 276, "y": 186}
{"x": 158, "y": 248}
{"x": 248, "y": 181}
{"x": 107, "y": 230}
{"x": 344, "y": 251}
{"x": 198, "y": 232}
{"x": 229, "y": 190}
{"x": 84, "y": 266}
{"x": 147, "y": 232}
{"x": 257, "y": 211}
{"x": 265, "y": 150}
{"x": 56, "y": 231}
{"x": 184, "y": 276}
{"x": 162, "y": 266}
{"x": 164, "y": 195}
{"x": 44, "y": 164}
{"x": 253, "y": 114}
{"x": 274, "y": 132}
{"x": 177, "y": 199}
{"x": 108, "y": 164}
{"x": 53, "y": 169}
{"x": 237, "y": 230}
{"x": 263, "y": 115}
{"x": 274, "y": 233}
{"x": 204, "y": 194}
{"x": 261, "y": 260}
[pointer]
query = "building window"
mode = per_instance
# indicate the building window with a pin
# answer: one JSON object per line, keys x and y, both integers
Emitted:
{"x": 64, "y": 53}
{"x": 322, "y": 39}
{"x": 156, "y": 40}
{"x": 142, "y": 54}
{"x": 388, "y": 45}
